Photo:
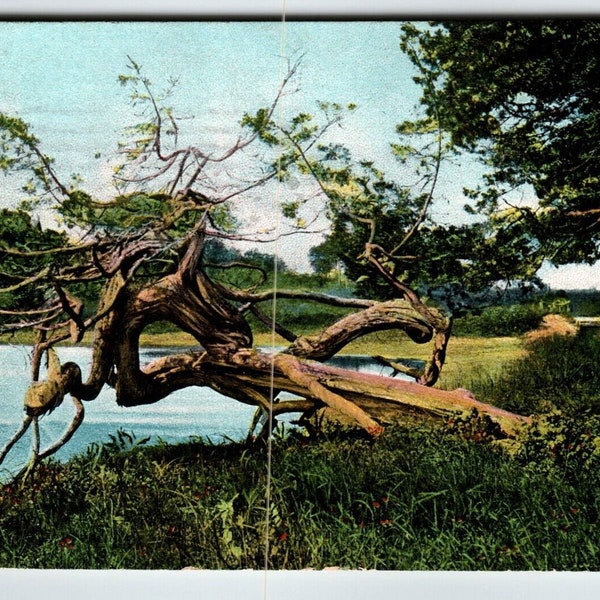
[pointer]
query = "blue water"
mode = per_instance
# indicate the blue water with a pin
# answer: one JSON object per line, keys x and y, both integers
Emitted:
{"x": 191, "y": 412}
{"x": 187, "y": 413}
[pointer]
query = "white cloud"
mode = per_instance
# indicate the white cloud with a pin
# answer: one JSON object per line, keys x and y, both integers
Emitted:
{"x": 571, "y": 277}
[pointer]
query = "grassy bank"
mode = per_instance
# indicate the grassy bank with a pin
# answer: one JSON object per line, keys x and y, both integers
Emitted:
{"x": 467, "y": 357}
{"x": 410, "y": 500}
{"x": 482, "y": 355}
{"x": 417, "y": 498}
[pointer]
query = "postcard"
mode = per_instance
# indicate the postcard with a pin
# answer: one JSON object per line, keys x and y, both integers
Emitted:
{"x": 284, "y": 297}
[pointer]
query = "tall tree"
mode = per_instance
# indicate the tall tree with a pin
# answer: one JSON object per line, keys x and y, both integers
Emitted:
{"x": 524, "y": 96}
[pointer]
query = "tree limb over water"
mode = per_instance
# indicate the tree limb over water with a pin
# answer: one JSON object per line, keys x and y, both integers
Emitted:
{"x": 119, "y": 267}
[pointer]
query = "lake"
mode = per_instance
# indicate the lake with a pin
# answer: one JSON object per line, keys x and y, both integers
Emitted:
{"x": 187, "y": 413}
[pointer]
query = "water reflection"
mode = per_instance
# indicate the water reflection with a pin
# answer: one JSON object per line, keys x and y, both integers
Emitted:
{"x": 365, "y": 364}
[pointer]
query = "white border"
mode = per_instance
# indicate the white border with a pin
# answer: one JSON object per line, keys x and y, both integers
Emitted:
{"x": 293, "y": 585}
{"x": 297, "y": 585}
{"x": 293, "y": 8}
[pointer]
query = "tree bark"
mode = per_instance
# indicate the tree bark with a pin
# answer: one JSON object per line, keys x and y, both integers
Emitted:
{"x": 229, "y": 365}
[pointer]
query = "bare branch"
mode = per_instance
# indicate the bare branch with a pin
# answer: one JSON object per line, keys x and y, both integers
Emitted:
{"x": 43, "y": 274}
{"x": 27, "y": 313}
{"x": 437, "y": 158}
{"x": 279, "y": 329}
{"x": 75, "y": 249}
{"x": 265, "y": 296}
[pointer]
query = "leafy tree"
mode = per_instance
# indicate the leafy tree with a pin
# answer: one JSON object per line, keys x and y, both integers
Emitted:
{"x": 523, "y": 96}
{"x": 18, "y": 234}
{"x": 155, "y": 253}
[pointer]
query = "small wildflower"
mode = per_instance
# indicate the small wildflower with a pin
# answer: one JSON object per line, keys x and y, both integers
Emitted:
{"x": 509, "y": 550}
{"x": 67, "y": 543}
{"x": 376, "y": 503}
{"x": 283, "y": 536}
{"x": 574, "y": 510}
{"x": 385, "y": 522}
{"x": 205, "y": 492}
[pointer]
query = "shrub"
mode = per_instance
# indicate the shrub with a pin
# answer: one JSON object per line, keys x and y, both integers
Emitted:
{"x": 499, "y": 321}
{"x": 585, "y": 303}
{"x": 560, "y": 444}
{"x": 512, "y": 319}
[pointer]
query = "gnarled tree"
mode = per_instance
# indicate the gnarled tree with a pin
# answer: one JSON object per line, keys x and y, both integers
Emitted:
{"x": 120, "y": 265}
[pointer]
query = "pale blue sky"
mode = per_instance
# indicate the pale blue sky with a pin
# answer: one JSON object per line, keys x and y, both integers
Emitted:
{"x": 61, "y": 77}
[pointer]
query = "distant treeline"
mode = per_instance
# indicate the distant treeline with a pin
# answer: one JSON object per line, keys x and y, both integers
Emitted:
{"x": 584, "y": 303}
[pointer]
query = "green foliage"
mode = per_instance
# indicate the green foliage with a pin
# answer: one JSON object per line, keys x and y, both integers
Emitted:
{"x": 585, "y": 303}
{"x": 513, "y": 318}
{"x": 413, "y": 499}
{"x": 261, "y": 124}
{"x": 255, "y": 270}
{"x": 497, "y": 321}
{"x": 149, "y": 106}
{"x": 559, "y": 372}
{"x": 124, "y": 213}
{"x": 366, "y": 207}
{"x": 465, "y": 258}
{"x": 19, "y": 235}
{"x": 20, "y": 153}
{"x": 249, "y": 270}
{"x": 561, "y": 445}
{"x": 303, "y": 317}
{"x": 524, "y": 96}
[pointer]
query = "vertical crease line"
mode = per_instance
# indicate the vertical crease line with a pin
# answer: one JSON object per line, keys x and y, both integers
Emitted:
{"x": 274, "y": 315}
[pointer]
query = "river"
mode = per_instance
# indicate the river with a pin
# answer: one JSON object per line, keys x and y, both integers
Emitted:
{"x": 185, "y": 414}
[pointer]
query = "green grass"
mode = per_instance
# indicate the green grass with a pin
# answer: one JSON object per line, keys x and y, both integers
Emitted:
{"x": 414, "y": 499}
{"x": 559, "y": 372}
{"x": 585, "y": 303}
{"x": 410, "y": 500}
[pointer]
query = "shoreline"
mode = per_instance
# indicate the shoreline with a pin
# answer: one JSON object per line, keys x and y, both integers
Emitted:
{"x": 466, "y": 355}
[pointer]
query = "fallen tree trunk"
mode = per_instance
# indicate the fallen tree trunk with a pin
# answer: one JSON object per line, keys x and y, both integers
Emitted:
{"x": 384, "y": 399}
{"x": 369, "y": 400}
{"x": 228, "y": 364}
